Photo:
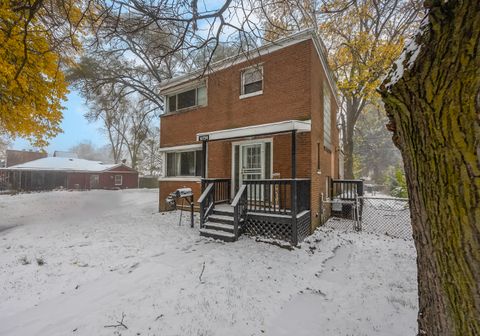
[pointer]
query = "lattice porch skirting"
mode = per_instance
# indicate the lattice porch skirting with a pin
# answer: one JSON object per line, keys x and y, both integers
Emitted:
{"x": 277, "y": 226}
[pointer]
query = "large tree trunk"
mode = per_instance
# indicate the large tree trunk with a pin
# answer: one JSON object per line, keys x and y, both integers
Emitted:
{"x": 434, "y": 111}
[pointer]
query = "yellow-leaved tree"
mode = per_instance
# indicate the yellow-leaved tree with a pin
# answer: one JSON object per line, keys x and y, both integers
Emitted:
{"x": 363, "y": 38}
{"x": 37, "y": 38}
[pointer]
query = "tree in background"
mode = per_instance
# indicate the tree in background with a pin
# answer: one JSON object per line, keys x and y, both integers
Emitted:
{"x": 150, "y": 158}
{"x": 113, "y": 118}
{"x": 38, "y": 38}
{"x": 4, "y": 143}
{"x": 432, "y": 97}
{"x": 363, "y": 38}
{"x": 88, "y": 151}
{"x": 374, "y": 151}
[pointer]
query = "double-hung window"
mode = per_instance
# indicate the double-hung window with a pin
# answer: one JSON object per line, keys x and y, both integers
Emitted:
{"x": 118, "y": 180}
{"x": 189, "y": 98}
{"x": 327, "y": 118}
{"x": 188, "y": 163}
{"x": 252, "y": 80}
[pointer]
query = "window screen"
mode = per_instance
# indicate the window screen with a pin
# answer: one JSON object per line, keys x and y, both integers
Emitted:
{"x": 186, "y": 99}
{"x": 252, "y": 80}
{"x": 184, "y": 163}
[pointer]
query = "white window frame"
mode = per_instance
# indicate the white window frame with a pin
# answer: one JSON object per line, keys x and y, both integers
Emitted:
{"x": 242, "y": 81}
{"x": 121, "y": 180}
{"x": 176, "y": 93}
{"x": 194, "y": 150}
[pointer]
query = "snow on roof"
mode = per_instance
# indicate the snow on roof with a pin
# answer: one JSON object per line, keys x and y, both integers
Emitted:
{"x": 64, "y": 164}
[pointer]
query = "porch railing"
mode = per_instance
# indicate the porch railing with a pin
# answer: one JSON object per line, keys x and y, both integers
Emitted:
{"x": 346, "y": 189}
{"x": 207, "y": 203}
{"x": 221, "y": 188}
{"x": 278, "y": 196}
{"x": 239, "y": 205}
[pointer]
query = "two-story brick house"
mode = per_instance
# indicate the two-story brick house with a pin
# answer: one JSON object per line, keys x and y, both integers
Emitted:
{"x": 258, "y": 134}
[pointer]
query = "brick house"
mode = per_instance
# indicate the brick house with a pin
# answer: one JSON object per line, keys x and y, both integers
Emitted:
{"x": 69, "y": 173}
{"x": 256, "y": 140}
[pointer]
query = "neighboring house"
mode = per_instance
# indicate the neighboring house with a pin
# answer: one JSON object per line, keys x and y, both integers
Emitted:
{"x": 256, "y": 140}
{"x": 15, "y": 157}
{"x": 70, "y": 173}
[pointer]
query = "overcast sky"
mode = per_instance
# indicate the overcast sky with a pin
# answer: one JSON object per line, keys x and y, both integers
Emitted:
{"x": 75, "y": 128}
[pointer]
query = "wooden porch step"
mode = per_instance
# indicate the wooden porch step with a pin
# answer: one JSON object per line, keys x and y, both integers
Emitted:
{"x": 223, "y": 209}
{"x": 218, "y": 234}
{"x": 224, "y": 219}
{"x": 219, "y": 226}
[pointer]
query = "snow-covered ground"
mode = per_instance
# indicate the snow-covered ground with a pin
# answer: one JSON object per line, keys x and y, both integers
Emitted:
{"x": 108, "y": 253}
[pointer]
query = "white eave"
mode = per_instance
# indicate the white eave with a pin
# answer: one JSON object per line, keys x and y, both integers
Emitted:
{"x": 181, "y": 148}
{"x": 272, "y": 128}
{"x": 304, "y": 35}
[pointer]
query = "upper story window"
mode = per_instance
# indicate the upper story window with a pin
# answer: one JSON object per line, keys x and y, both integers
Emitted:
{"x": 189, "y": 98}
{"x": 252, "y": 80}
{"x": 187, "y": 163}
{"x": 327, "y": 118}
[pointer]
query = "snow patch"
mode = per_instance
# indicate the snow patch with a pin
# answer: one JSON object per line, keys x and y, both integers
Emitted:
{"x": 407, "y": 58}
{"x": 109, "y": 255}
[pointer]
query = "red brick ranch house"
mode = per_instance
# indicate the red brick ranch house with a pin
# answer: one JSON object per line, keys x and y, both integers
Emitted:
{"x": 69, "y": 173}
{"x": 256, "y": 140}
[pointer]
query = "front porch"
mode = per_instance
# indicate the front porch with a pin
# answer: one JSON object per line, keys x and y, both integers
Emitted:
{"x": 263, "y": 195}
{"x": 273, "y": 208}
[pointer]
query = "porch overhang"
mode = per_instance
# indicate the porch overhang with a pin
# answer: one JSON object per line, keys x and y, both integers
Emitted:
{"x": 255, "y": 130}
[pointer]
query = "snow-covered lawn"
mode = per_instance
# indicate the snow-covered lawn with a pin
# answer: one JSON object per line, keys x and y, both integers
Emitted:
{"x": 108, "y": 253}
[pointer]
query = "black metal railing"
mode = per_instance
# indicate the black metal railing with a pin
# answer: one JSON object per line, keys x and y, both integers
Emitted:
{"x": 222, "y": 188}
{"x": 303, "y": 195}
{"x": 346, "y": 189}
{"x": 239, "y": 205}
{"x": 207, "y": 203}
{"x": 277, "y": 196}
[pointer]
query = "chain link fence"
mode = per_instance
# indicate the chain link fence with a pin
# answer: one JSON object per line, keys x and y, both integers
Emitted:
{"x": 380, "y": 215}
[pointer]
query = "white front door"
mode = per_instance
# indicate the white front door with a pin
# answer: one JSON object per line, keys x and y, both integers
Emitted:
{"x": 252, "y": 161}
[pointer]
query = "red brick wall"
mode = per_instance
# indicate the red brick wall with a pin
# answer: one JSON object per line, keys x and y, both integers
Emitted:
{"x": 106, "y": 180}
{"x": 286, "y": 96}
{"x": 129, "y": 180}
{"x": 82, "y": 179}
{"x": 166, "y": 187}
{"x": 319, "y": 178}
{"x": 15, "y": 157}
{"x": 293, "y": 90}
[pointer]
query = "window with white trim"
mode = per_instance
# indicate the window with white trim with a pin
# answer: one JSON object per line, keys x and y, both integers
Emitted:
{"x": 252, "y": 80}
{"x": 186, "y": 163}
{"x": 327, "y": 118}
{"x": 118, "y": 180}
{"x": 185, "y": 99}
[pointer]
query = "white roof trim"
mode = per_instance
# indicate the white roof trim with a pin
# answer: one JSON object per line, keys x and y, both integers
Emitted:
{"x": 180, "y": 148}
{"x": 301, "y": 36}
{"x": 278, "y": 127}
{"x": 180, "y": 179}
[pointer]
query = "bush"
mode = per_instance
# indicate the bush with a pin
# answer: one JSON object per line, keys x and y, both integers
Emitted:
{"x": 397, "y": 183}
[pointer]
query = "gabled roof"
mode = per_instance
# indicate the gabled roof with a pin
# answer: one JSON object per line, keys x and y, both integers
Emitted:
{"x": 64, "y": 164}
{"x": 304, "y": 35}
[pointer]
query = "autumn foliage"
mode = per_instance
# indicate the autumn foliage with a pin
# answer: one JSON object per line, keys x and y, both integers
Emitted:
{"x": 37, "y": 39}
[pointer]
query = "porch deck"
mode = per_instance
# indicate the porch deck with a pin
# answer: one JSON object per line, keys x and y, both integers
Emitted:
{"x": 274, "y": 208}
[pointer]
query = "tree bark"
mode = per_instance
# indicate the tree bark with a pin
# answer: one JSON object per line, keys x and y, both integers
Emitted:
{"x": 434, "y": 111}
